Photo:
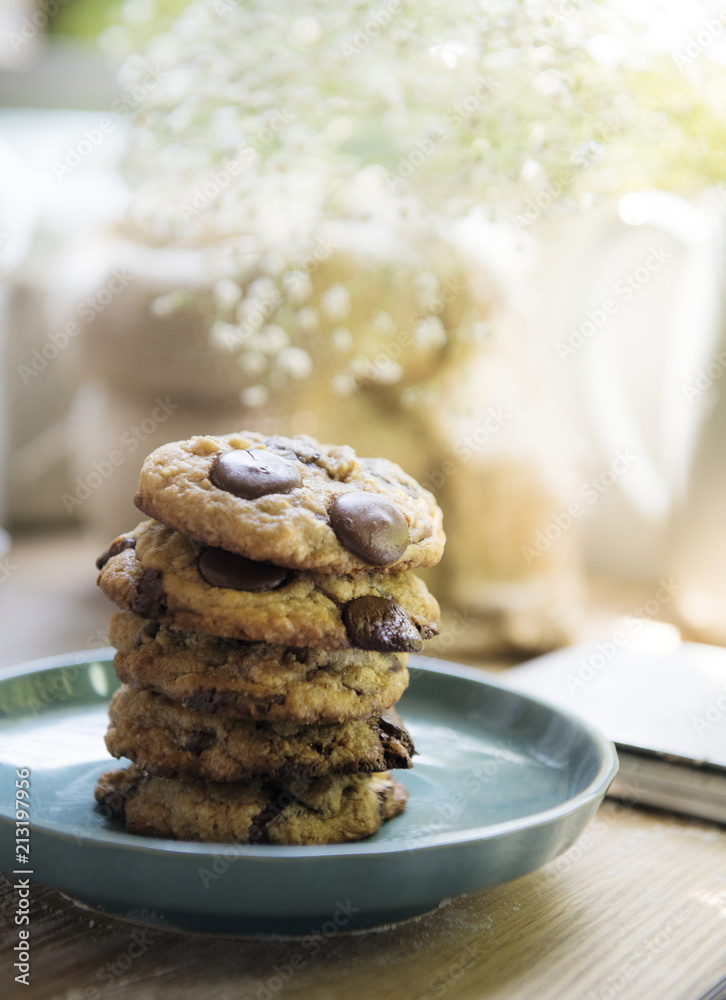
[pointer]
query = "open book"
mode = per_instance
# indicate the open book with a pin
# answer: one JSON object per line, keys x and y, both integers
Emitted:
{"x": 660, "y": 700}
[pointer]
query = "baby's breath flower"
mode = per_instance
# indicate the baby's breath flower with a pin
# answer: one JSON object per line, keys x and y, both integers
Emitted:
{"x": 295, "y": 361}
{"x": 430, "y": 332}
{"x": 275, "y": 338}
{"x": 294, "y": 136}
{"x": 335, "y": 302}
{"x": 253, "y": 363}
{"x": 387, "y": 372}
{"x": 254, "y": 395}
{"x": 164, "y": 305}
{"x": 227, "y": 293}
{"x": 298, "y": 287}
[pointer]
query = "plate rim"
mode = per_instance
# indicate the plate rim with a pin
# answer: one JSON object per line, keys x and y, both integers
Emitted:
{"x": 596, "y": 788}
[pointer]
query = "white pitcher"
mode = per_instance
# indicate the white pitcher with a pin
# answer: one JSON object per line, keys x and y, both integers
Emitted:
{"x": 655, "y": 278}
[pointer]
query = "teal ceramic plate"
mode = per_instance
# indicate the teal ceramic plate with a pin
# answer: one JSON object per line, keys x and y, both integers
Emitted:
{"x": 502, "y": 784}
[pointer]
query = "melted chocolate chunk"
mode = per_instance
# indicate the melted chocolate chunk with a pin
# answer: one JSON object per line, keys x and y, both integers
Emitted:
{"x": 378, "y": 623}
{"x": 254, "y": 473}
{"x": 111, "y": 804}
{"x": 150, "y": 600}
{"x": 113, "y": 550}
{"x": 222, "y": 568}
{"x": 114, "y": 790}
{"x": 396, "y": 740}
{"x": 279, "y": 799}
{"x": 391, "y": 723}
{"x": 370, "y": 527}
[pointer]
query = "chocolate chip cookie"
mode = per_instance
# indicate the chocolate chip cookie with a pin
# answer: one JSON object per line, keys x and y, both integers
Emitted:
{"x": 166, "y": 739}
{"x": 244, "y": 680}
{"x": 293, "y": 502}
{"x": 332, "y": 810}
{"x": 158, "y": 573}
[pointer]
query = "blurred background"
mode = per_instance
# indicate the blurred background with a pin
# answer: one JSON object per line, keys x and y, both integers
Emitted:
{"x": 485, "y": 240}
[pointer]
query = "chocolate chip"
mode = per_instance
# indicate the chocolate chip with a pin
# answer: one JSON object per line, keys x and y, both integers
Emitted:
{"x": 150, "y": 599}
{"x": 205, "y": 701}
{"x": 254, "y": 473}
{"x": 370, "y": 527}
{"x": 113, "y": 550}
{"x": 197, "y": 741}
{"x": 226, "y": 703}
{"x": 148, "y": 629}
{"x": 222, "y": 568}
{"x": 378, "y": 623}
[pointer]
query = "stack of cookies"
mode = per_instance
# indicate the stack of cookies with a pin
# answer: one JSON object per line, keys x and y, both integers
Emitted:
{"x": 267, "y": 611}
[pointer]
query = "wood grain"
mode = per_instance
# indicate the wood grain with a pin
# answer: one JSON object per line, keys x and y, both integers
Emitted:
{"x": 636, "y": 909}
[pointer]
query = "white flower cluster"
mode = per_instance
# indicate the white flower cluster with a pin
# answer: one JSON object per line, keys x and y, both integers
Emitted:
{"x": 323, "y": 153}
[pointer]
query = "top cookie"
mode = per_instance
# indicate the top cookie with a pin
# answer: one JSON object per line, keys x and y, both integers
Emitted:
{"x": 293, "y": 502}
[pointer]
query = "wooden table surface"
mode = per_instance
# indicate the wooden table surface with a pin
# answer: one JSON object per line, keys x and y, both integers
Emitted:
{"x": 636, "y": 909}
